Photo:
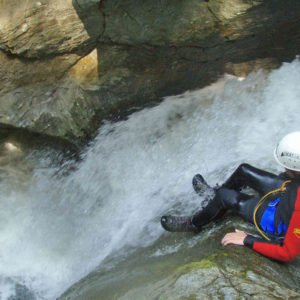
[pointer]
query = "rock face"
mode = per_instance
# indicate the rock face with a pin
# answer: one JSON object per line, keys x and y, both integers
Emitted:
{"x": 67, "y": 65}
{"x": 216, "y": 277}
{"x": 206, "y": 279}
{"x": 204, "y": 271}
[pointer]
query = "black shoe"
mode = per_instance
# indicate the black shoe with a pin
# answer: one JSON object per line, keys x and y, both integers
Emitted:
{"x": 199, "y": 184}
{"x": 178, "y": 224}
{"x": 201, "y": 187}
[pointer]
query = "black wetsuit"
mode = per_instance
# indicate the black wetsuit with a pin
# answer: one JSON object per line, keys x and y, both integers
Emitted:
{"x": 228, "y": 196}
{"x": 286, "y": 215}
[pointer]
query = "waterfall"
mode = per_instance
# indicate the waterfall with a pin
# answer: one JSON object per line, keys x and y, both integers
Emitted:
{"x": 56, "y": 227}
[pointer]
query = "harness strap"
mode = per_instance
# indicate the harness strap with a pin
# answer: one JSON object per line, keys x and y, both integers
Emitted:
{"x": 261, "y": 201}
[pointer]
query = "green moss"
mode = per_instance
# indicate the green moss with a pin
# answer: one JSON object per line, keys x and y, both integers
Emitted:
{"x": 243, "y": 274}
{"x": 190, "y": 297}
{"x": 163, "y": 297}
{"x": 206, "y": 263}
{"x": 203, "y": 264}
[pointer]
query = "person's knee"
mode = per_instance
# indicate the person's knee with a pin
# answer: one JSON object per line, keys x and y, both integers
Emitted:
{"x": 227, "y": 198}
{"x": 244, "y": 167}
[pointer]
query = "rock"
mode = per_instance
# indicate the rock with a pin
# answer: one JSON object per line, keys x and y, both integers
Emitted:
{"x": 37, "y": 29}
{"x": 220, "y": 276}
{"x": 204, "y": 271}
{"x": 17, "y": 143}
{"x": 66, "y": 67}
{"x": 232, "y": 273}
{"x": 18, "y": 73}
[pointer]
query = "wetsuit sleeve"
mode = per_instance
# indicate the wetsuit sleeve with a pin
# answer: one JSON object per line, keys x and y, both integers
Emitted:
{"x": 289, "y": 249}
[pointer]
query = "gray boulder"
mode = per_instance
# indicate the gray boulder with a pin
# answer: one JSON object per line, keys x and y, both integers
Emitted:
{"x": 67, "y": 66}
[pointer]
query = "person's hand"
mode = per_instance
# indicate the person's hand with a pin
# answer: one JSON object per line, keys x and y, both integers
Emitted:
{"x": 236, "y": 238}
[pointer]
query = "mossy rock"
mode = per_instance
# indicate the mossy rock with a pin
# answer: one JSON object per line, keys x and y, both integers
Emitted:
{"x": 230, "y": 272}
{"x": 207, "y": 279}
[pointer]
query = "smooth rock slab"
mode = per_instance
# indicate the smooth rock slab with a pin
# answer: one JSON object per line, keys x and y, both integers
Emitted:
{"x": 207, "y": 279}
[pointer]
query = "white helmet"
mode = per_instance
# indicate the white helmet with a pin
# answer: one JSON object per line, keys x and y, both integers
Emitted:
{"x": 287, "y": 152}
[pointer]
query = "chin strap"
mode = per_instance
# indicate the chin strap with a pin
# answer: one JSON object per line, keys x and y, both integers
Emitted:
{"x": 261, "y": 201}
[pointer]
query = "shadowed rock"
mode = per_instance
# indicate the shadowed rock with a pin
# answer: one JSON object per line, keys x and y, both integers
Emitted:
{"x": 65, "y": 67}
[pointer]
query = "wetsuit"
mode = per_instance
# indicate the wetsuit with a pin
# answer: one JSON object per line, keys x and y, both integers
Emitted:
{"x": 278, "y": 216}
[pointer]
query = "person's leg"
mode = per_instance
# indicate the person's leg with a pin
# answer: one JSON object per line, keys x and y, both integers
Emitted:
{"x": 184, "y": 223}
{"x": 259, "y": 180}
{"x": 224, "y": 200}
{"x": 178, "y": 224}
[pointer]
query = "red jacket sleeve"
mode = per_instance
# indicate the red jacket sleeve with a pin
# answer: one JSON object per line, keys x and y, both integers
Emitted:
{"x": 290, "y": 248}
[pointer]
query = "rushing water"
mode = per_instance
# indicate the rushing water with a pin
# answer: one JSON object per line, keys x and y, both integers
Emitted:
{"x": 57, "y": 227}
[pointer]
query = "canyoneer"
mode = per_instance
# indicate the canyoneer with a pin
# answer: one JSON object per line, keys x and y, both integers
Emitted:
{"x": 275, "y": 212}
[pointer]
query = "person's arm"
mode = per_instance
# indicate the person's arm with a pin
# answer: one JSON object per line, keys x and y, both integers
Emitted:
{"x": 283, "y": 252}
{"x": 287, "y": 251}
{"x": 235, "y": 238}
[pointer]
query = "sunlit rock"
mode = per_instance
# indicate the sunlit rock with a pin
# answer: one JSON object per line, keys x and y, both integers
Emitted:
{"x": 65, "y": 66}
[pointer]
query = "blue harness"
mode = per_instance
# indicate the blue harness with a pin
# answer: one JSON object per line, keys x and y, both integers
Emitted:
{"x": 267, "y": 222}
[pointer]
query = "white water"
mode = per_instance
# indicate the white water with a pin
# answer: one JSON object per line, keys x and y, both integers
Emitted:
{"x": 58, "y": 229}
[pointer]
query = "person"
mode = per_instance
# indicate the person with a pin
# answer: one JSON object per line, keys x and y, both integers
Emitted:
{"x": 275, "y": 212}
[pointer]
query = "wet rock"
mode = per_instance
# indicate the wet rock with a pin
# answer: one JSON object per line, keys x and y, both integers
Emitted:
{"x": 65, "y": 67}
{"x": 210, "y": 278}
{"x": 223, "y": 275}
{"x": 38, "y": 29}
{"x": 200, "y": 268}
{"x": 18, "y": 145}
{"x": 22, "y": 293}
